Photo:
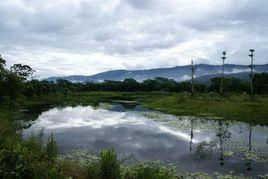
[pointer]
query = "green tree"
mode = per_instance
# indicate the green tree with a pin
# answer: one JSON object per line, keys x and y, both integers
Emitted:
{"x": 2, "y": 63}
{"x": 13, "y": 86}
{"x": 260, "y": 83}
{"x": 2, "y": 78}
{"x": 130, "y": 85}
{"x": 23, "y": 71}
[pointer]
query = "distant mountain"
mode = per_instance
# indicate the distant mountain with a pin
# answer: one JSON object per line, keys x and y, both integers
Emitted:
{"x": 203, "y": 73}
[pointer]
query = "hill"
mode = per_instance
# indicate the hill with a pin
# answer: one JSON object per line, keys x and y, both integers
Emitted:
{"x": 203, "y": 72}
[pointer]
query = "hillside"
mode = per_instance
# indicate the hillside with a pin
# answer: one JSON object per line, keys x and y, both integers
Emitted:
{"x": 203, "y": 72}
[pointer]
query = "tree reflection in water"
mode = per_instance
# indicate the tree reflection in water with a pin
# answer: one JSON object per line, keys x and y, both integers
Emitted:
{"x": 224, "y": 135}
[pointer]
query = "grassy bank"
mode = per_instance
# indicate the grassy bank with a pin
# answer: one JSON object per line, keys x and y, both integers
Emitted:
{"x": 235, "y": 107}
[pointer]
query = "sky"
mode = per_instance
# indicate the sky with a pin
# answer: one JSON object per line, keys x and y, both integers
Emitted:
{"x": 85, "y": 37}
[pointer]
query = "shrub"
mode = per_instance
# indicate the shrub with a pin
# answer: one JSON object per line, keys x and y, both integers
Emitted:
{"x": 29, "y": 159}
{"x": 109, "y": 165}
{"x": 51, "y": 149}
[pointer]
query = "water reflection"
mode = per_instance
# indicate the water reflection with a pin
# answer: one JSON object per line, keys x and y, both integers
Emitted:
{"x": 223, "y": 134}
{"x": 249, "y": 147}
{"x": 192, "y": 135}
{"x": 192, "y": 144}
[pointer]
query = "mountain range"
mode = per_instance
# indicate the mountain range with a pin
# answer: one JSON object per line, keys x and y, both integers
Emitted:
{"x": 203, "y": 72}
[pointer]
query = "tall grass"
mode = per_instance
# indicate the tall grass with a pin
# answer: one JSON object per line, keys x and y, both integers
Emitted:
{"x": 28, "y": 159}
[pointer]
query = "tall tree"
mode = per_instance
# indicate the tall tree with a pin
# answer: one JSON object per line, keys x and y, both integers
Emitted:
{"x": 13, "y": 86}
{"x": 23, "y": 71}
{"x": 2, "y": 78}
{"x": 2, "y": 63}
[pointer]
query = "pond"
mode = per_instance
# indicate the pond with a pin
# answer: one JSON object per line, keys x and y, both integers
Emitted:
{"x": 191, "y": 143}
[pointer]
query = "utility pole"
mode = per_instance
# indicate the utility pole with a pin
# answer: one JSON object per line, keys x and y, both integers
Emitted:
{"x": 251, "y": 55}
{"x": 192, "y": 83}
{"x": 222, "y": 78}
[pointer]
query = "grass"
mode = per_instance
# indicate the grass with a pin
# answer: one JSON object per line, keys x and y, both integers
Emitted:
{"x": 235, "y": 107}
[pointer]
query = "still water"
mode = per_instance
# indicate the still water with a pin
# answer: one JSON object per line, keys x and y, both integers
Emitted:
{"x": 193, "y": 144}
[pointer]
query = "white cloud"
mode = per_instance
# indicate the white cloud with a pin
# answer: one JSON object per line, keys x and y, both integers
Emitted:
{"x": 91, "y": 36}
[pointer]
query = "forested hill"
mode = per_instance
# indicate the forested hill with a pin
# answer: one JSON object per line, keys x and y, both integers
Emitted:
{"x": 178, "y": 73}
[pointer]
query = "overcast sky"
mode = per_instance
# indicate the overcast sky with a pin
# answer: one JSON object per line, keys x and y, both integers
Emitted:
{"x": 66, "y": 37}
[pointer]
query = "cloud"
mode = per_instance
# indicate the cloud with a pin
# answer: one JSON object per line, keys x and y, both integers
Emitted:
{"x": 141, "y": 4}
{"x": 91, "y": 36}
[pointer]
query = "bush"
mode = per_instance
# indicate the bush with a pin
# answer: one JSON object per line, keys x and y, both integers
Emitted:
{"x": 94, "y": 171}
{"x": 109, "y": 165}
{"x": 29, "y": 159}
{"x": 51, "y": 149}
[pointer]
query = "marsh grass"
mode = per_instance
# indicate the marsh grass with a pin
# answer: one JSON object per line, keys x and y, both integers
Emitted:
{"x": 238, "y": 108}
{"x": 233, "y": 107}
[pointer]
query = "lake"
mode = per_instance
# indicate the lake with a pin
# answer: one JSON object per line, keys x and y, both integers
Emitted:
{"x": 191, "y": 143}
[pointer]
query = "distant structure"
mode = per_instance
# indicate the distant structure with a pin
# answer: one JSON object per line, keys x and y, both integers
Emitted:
{"x": 222, "y": 78}
{"x": 192, "y": 82}
{"x": 251, "y": 55}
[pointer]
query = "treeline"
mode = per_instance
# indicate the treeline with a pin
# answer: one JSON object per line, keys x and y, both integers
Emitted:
{"x": 13, "y": 82}
{"x": 231, "y": 85}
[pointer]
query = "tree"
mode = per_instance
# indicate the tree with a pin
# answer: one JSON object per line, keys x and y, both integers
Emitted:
{"x": 2, "y": 63}
{"x": 2, "y": 78}
{"x": 260, "y": 83}
{"x": 130, "y": 85}
{"x": 215, "y": 84}
{"x": 13, "y": 86}
{"x": 185, "y": 86}
{"x": 149, "y": 85}
{"x": 23, "y": 71}
{"x": 230, "y": 85}
{"x": 164, "y": 84}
